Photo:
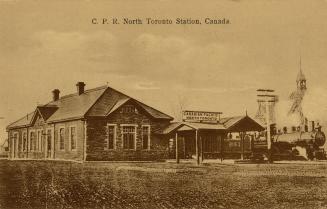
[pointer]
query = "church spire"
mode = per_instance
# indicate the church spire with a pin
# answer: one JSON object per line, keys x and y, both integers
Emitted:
{"x": 300, "y": 80}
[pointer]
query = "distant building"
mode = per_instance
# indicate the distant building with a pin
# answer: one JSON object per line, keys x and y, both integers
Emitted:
{"x": 4, "y": 149}
{"x": 297, "y": 97}
{"x": 95, "y": 124}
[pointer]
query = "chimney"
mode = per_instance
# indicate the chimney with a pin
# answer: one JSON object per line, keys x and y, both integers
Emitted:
{"x": 80, "y": 87}
{"x": 55, "y": 94}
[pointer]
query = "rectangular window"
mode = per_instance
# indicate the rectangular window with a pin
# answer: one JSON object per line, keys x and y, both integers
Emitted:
{"x": 39, "y": 143}
{"x": 146, "y": 137}
{"x": 16, "y": 142}
{"x": 24, "y": 141}
{"x": 111, "y": 138}
{"x": 128, "y": 109}
{"x": 32, "y": 141}
{"x": 72, "y": 138}
{"x": 129, "y": 135}
{"x": 20, "y": 143}
{"x": 42, "y": 140}
{"x": 61, "y": 138}
{"x": 49, "y": 139}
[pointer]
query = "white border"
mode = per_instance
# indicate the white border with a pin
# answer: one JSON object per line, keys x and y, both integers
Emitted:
{"x": 149, "y": 136}
{"x": 15, "y": 144}
{"x": 39, "y": 141}
{"x": 135, "y": 134}
{"x": 115, "y": 136}
{"x": 70, "y": 140}
{"x": 52, "y": 142}
{"x": 29, "y": 141}
{"x": 24, "y": 148}
{"x": 59, "y": 148}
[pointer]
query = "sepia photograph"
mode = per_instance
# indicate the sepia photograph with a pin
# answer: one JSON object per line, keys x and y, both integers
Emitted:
{"x": 163, "y": 104}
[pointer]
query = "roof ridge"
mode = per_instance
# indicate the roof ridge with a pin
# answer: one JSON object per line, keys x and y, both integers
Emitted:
{"x": 86, "y": 91}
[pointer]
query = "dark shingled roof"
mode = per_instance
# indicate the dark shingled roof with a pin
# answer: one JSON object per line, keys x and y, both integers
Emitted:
{"x": 100, "y": 101}
{"x": 112, "y": 99}
{"x": 24, "y": 121}
{"x": 75, "y": 106}
{"x": 229, "y": 124}
{"x": 170, "y": 128}
{"x": 230, "y": 121}
{"x": 46, "y": 111}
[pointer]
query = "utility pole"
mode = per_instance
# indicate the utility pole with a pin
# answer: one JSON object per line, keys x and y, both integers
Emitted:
{"x": 267, "y": 96}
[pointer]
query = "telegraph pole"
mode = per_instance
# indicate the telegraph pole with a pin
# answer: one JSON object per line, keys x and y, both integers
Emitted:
{"x": 267, "y": 96}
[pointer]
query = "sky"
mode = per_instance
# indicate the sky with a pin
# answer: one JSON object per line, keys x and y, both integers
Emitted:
{"x": 53, "y": 44}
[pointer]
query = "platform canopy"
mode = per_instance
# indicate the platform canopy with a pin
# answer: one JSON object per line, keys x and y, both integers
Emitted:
{"x": 241, "y": 124}
{"x": 230, "y": 124}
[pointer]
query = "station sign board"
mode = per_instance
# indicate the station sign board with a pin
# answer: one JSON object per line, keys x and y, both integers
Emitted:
{"x": 200, "y": 116}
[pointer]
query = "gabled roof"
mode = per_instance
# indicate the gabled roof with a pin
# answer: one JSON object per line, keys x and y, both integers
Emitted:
{"x": 22, "y": 122}
{"x": 241, "y": 123}
{"x": 75, "y": 106}
{"x": 46, "y": 111}
{"x": 101, "y": 101}
{"x": 238, "y": 123}
{"x": 192, "y": 126}
{"x": 170, "y": 128}
{"x": 118, "y": 104}
{"x": 153, "y": 112}
{"x": 230, "y": 121}
{"x": 112, "y": 99}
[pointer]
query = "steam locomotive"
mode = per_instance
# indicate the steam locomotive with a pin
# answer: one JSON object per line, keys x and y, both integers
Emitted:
{"x": 297, "y": 144}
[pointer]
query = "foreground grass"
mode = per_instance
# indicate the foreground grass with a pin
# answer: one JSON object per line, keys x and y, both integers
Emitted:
{"x": 161, "y": 185}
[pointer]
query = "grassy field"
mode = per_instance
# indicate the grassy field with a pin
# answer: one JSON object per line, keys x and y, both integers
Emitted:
{"x": 37, "y": 184}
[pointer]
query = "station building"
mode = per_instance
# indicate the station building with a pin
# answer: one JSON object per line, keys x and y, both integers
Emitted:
{"x": 95, "y": 124}
{"x": 103, "y": 124}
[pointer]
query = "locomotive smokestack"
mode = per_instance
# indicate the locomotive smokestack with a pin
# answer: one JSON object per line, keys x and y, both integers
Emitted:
{"x": 318, "y": 127}
{"x": 305, "y": 126}
{"x": 312, "y": 126}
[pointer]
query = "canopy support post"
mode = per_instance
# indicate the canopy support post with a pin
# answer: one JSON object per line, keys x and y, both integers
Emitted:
{"x": 176, "y": 141}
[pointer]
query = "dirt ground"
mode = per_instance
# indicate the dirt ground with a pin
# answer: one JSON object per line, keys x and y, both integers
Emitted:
{"x": 40, "y": 184}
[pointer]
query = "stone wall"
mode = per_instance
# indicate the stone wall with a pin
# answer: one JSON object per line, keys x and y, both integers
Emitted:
{"x": 97, "y": 135}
